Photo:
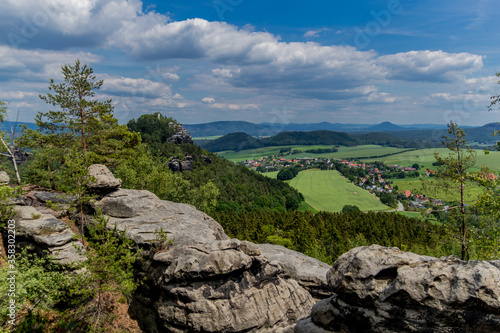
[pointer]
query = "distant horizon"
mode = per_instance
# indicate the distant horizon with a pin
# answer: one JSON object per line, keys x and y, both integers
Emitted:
{"x": 202, "y": 61}
{"x": 333, "y": 123}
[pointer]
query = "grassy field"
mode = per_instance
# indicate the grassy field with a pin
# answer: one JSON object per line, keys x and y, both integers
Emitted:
{"x": 213, "y": 137}
{"x": 344, "y": 152}
{"x": 271, "y": 174}
{"x": 415, "y": 185}
{"x": 425, "y": 157}
{"x": 329, "y": 191}
{"x": 420, "y": 217}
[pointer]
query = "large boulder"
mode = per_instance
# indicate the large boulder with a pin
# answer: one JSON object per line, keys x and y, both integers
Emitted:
{"x": 103, "y": 181}
{"x": 379, "y": 289}
{"x": 4, "y": 177}
{"x": 47, "y": 235}
{"x": 203, "y": 281}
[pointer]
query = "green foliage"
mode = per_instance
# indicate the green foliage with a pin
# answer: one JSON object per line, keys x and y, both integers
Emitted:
{"x": 350, "y": 208}
{"x": 234, "y": 141}
{"x": 75, "y": 99}
{"x": 327, "y": 235}
{"x": 6, "y": 208}
{"x": 388, "y": 199}
{"x": 83, "y": 126}
{"x": 39, "y": 285}
{"x": 210, "y": 186}
{"x": 108, "y": 270}
{"x": 154, "y": 127}
{"x": 453, "y": 175}
{"x": 287, "y": 173}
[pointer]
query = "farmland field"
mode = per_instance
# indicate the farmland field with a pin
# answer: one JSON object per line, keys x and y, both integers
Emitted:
{"x": 329, "y": 191}
{"x": 425, "y": 157}
{"x": 271, "y": 174}
{"x": 415, "y": 185}
{"x": 344, "y": 152}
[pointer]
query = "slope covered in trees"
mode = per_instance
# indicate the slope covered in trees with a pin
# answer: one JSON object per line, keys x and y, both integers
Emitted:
{"x": 241, "y": 141}
{"x": 234, "y": 141}
{"x": 328, "y": 235}
{"x": 234, "y": 187}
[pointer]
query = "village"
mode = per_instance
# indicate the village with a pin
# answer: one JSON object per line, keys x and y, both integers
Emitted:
{"x": 374, "y": 177}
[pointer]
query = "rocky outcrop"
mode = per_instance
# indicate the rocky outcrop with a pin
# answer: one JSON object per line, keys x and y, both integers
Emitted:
{"x": 44, "y": 233}
{"x": 187, "y": 164}
{"x": 4, "y": 177}
{"x": 379, "y": 289}
{"x": 181, "y": 134}
{"x": 204, "y": 281}
{"x": 103, "y": 181}
{"x": 176, "y": 165}
{"x": 310, "y": 273}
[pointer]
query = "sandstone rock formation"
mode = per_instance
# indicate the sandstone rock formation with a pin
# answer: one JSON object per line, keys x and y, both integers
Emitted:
{"x": 176, "y": 165}
{"x": 4, "y": 177}
{"x": 181, "y": 134}
{"x": 103, "y": 180}
{"x": 203, "y": 282}
{"x": 310, "y": 273}
{"x": 45, "y": 233}
{"x": 381, "y": 289}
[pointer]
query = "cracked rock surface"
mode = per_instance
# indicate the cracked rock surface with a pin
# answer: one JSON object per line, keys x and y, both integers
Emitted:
{"x": 204, "y": 281}
{"x": 379, "y": 289}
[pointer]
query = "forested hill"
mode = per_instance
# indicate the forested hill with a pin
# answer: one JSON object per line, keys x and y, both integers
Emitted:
{"x": 213, "y": 183}
{"x": 242, "y": 141}
{"x": 233, "y": 141}
{"x": 483, "y": 134}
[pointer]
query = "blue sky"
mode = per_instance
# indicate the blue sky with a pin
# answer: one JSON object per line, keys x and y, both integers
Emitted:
{"x": 261, "y": 61}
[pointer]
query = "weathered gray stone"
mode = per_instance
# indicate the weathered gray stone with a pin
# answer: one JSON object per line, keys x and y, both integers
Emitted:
{"x": 46, "y": 230}
{"x": 204, "y": 281}
{"x": 103, "y": 179}
{"x": 143, "y": 215}
{"x": 175, "y": 165}
{"x": 4, "y": 177}
{"x": 187, "y": 164}
{"x": 181, "y": 135}
{"x": 387, "y": 290}
{"x": 71, "y": 252}
{"x": 60, "y": 198}
{"x": 44, "y": 233}
{"x": 26, "y": 213}
{"x": 309, "y": 272}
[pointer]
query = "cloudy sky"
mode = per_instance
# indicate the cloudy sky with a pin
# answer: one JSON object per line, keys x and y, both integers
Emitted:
{"x": 278, "y": 61}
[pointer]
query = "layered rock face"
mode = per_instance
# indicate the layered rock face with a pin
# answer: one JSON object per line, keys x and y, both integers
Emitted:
{"x": 204, "y": 281}
{"x": 45, "y": 233}
{"x": 377, "y": 289}
{"x": 181, "y": 134}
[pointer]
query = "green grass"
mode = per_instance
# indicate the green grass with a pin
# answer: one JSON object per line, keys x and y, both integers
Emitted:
{"x": 305, "y": 207}
{"x": 343, "y": 153}
{"x": 213, "y": 137}
{"x": 419, "y": 216}
{"x": 416, "y": 185}
{"x": 271, "y": 174}
{"x": 426, "y": 157}
{"x": 329, "y": 191}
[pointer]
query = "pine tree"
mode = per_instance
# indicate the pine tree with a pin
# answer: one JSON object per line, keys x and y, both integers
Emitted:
{"x": 454, "y": 176}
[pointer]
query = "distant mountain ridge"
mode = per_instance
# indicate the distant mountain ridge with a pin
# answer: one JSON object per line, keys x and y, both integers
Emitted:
{"x": 242, "y": 141}
{"x": 270, "y": 129}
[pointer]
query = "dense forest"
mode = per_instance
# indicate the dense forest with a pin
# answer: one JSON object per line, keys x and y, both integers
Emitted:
{"x": 327, "y": 235}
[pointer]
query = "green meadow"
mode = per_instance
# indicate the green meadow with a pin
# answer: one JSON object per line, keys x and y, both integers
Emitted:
{"x": 327, "y": 190}
{"x": 416, "y": 186}
{"x": 426, "y": 157}
{"x": 343, "y": 153}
